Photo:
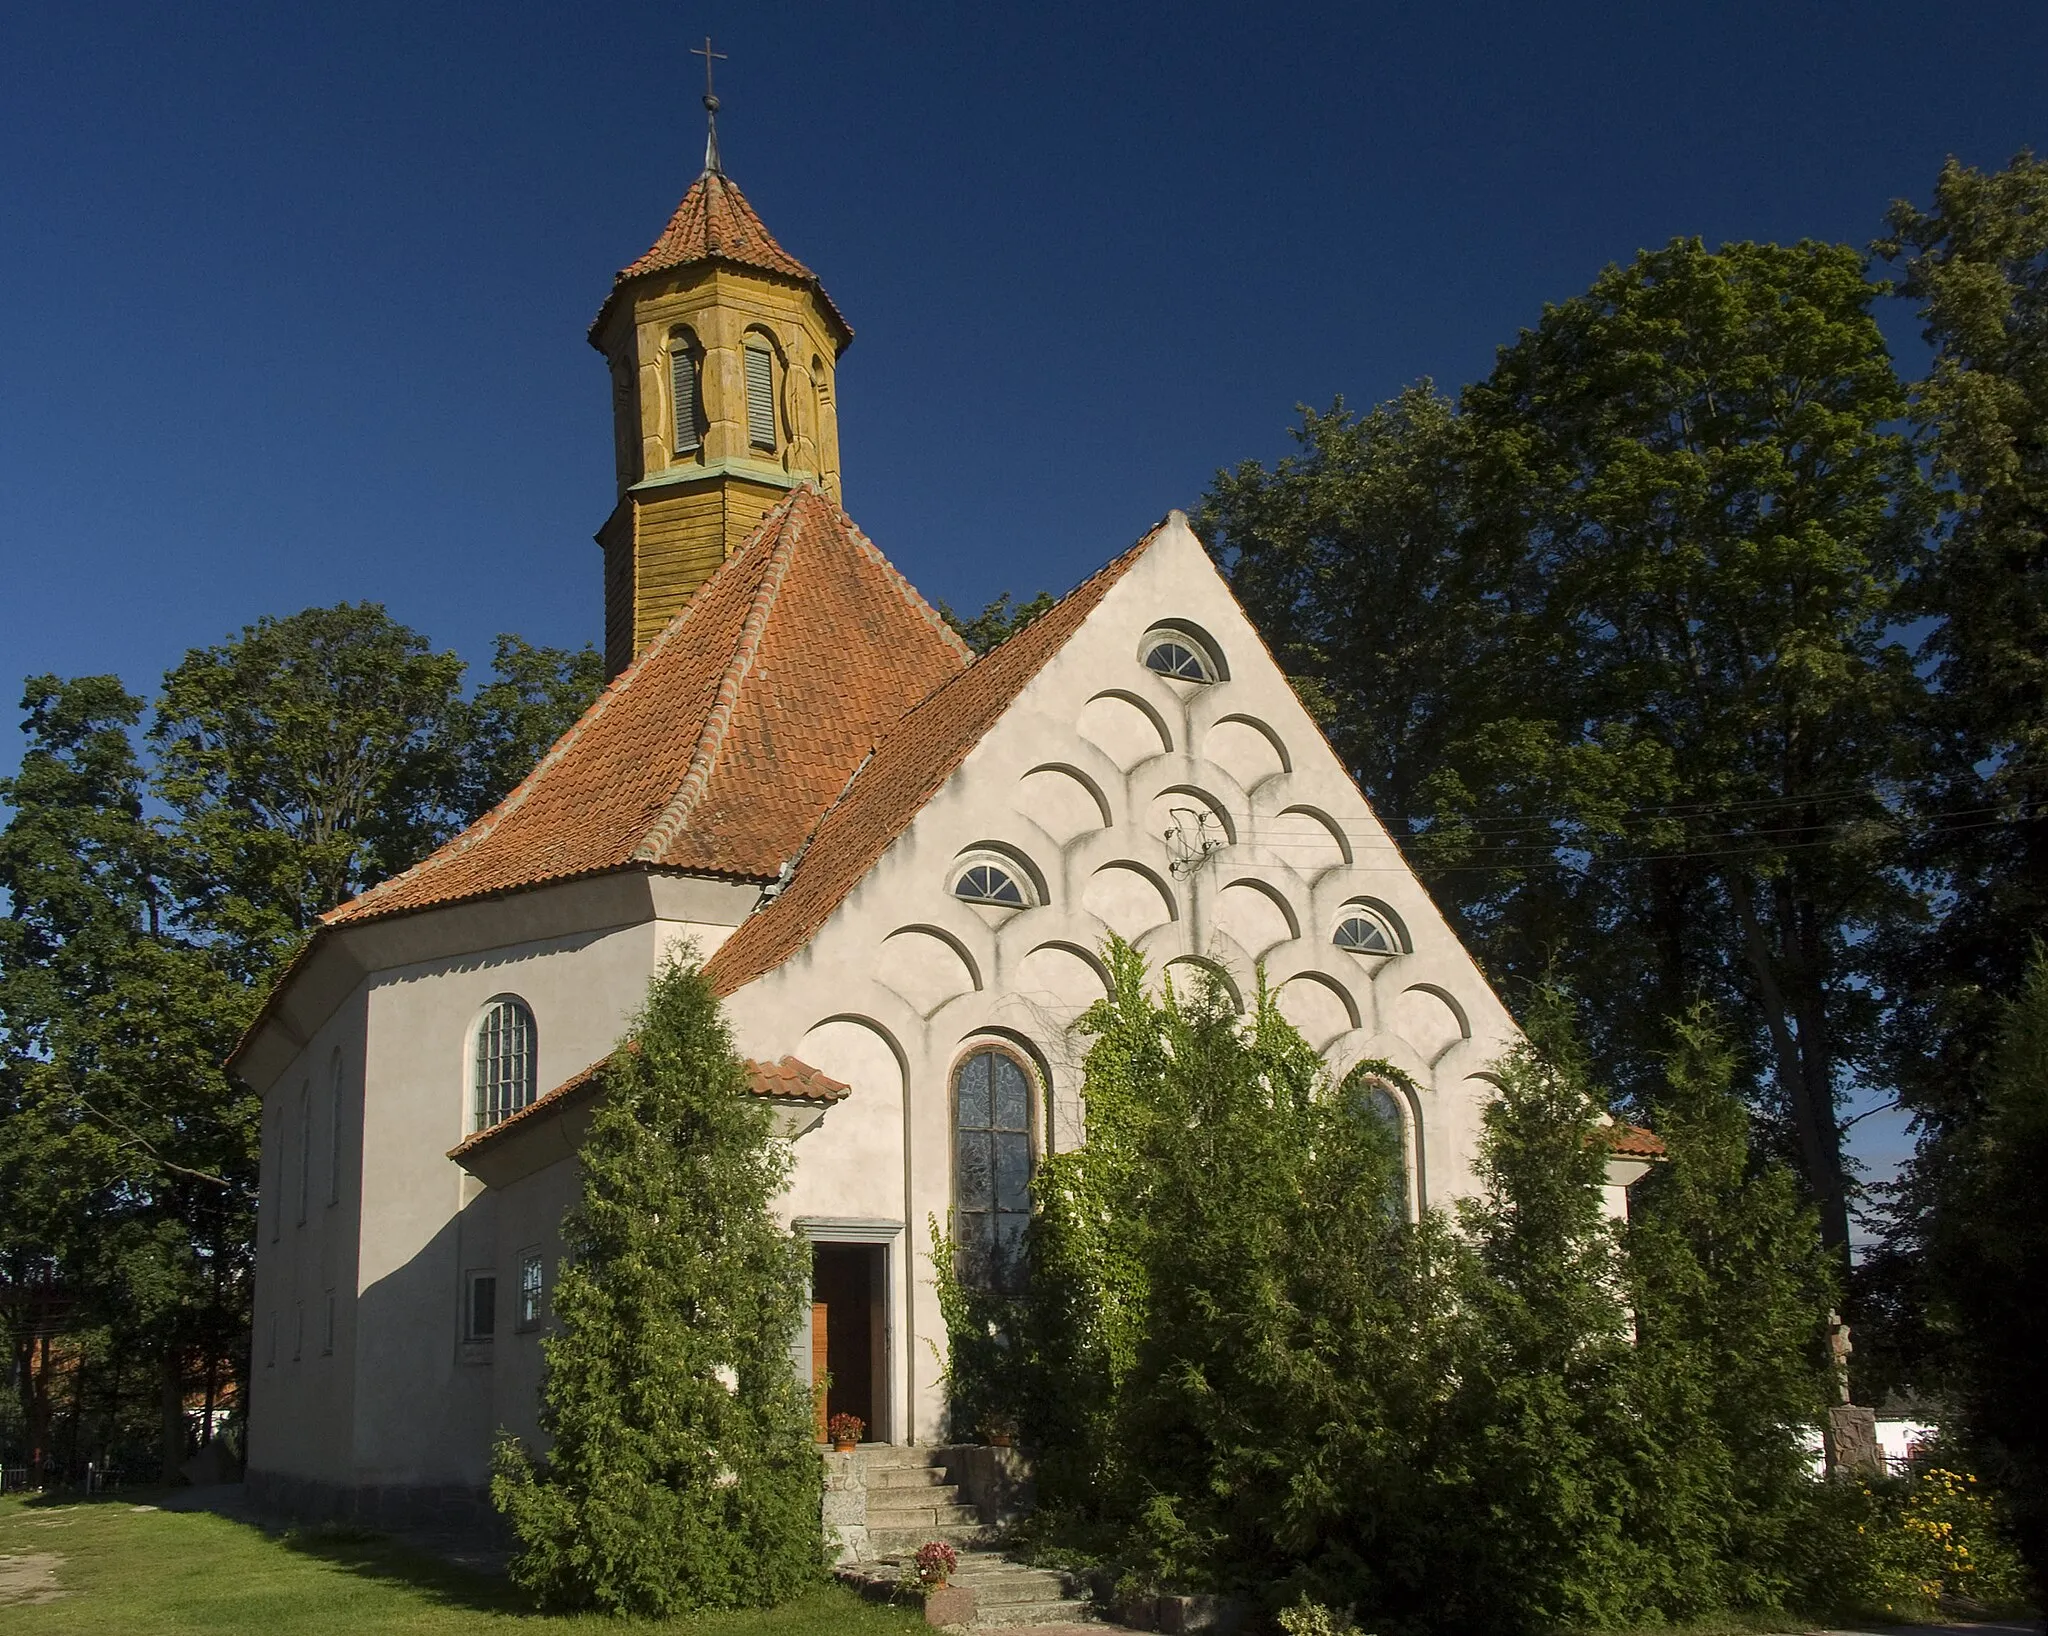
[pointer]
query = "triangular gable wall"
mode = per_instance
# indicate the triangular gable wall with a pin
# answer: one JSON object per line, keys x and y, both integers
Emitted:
{"x": 1077, "y": 778}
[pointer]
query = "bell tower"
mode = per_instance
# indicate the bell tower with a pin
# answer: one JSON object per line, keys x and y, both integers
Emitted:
{"x": 723, "y": 350}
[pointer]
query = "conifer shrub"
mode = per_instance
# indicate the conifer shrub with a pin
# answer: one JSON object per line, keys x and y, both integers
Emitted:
{"x": 1730, "y": 1287}
{"x": 1240, "y": 1370}
{"x": 680, "y": 1473}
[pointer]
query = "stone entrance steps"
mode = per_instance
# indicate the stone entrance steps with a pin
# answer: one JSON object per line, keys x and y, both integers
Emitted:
{"x": 910, "y": 1502}
{"x": 1012, "y": 1593}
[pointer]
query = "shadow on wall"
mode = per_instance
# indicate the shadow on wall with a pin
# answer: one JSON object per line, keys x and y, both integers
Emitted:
{"x": 419, "y": 1418}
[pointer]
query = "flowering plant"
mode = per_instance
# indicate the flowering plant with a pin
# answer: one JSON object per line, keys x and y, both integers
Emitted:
{"x": 845, "y": 1428}
{"x": 936, "y": 1561}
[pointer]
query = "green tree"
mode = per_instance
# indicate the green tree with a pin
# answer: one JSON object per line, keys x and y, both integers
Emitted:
{"x": 1635, "y": 602}
{"x": 1976, "y": 263}
{"x": 1987, "y": 1244}
{"x": 997, "y": 622}
{"x": 1539, "y": 1450}
{"x": 1702, "y": 457}
{"x": 303, "y": 761}
{"x": 1731, "y": 1292}
{"x": 1234, "y": 1342}
{"x": 1360, "y": 562}
{"x": 534, "y": 696}
{"x": 127, "y": 1157}
{"x": 681, "y": 1473}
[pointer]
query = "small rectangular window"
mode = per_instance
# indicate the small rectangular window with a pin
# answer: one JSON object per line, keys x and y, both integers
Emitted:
{"x": 298, "y": 1330}
{"x": 531, "y": 1280}
{"x": 480, "y": 1311}
{"x": 760, "y": 397}
{"x": 327, "y": 1337}
{"x": 682, "y": 374}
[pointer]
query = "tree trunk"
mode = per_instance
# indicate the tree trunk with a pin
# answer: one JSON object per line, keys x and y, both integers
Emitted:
{"x": 171, "y": 1388}
{"x": 36, "y": 1399}
{"x": 1804, "y": 1074}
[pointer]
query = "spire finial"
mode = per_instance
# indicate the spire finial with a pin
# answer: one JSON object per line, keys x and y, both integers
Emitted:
{"x": 711, "y": 165}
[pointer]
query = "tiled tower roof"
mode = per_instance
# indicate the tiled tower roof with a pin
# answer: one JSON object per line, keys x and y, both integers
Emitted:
{"x": 715, "y": 223}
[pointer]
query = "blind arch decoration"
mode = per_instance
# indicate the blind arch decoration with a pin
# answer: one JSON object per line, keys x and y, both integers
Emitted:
{"x": 992, "y": 1165}
{"x": 506, "y": 1060}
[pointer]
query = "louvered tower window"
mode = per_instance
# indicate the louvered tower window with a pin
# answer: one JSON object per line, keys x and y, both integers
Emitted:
{"x": 760, "y": 396}
{"x": 682, "y": 374}
{"x": 505, "y": 1056}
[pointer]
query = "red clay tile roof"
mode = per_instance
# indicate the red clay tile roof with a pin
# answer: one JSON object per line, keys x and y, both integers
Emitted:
{"x": 904, "y": 773}
{"x": 717, "y": 750}
{"x": 715, "y": 223}
{"x": 788, "y": 1080}
{"x": 1634, "y": 1142}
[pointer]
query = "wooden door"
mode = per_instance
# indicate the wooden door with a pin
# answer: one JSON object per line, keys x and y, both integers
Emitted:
{"x": 819, "y": 1353}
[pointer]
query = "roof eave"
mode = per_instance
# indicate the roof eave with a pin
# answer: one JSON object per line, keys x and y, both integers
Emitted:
{"x": 835, "y": 319}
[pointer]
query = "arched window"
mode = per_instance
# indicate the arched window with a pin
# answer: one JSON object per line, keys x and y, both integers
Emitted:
{"x": 682, "y": 375}
{"x": 984, "y": 880}
{"x": 1383, "y": 1108}
{"x": 760, "y": 394}
{"x": 991, "y": 1168}
{"x": 1364, "y": 932}
{"x": 505, "y": 1061}
{"x": 1170, "y": 650}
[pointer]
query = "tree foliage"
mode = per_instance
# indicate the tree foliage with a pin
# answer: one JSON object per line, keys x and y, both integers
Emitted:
{"x": 1645, "y": 583}
{"x": 148, "y": 903}
{"x": 998, "y": 620}
{"x": 1236, "y": 1360}
{"x": 1727, "y": 1280}
{"x": 1987, "y": 1245}
{"x": 680, "y": 1472}
{"x": 127, "y": 1156}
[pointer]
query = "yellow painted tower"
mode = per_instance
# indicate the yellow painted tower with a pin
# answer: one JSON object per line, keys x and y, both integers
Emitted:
{"x": 723, "y": 349}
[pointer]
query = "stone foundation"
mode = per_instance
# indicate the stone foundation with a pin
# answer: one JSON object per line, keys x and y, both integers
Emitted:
{"x": 997, "y": 1482}
{"x": 441, "y": 1508}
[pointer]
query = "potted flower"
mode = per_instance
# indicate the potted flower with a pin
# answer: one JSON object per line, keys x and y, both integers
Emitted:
{"x": 1000, "y": 1430}
{"x": 845, "y": 1431}
{"x": 936, "y": 1561}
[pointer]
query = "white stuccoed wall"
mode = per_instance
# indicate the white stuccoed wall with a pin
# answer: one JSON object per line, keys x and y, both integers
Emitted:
{"x": 904, "y": 978}
{"x": 395, "y": 1403}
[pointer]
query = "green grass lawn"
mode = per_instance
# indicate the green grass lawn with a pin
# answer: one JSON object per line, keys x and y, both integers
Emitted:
{"x": 128, "y": 1570}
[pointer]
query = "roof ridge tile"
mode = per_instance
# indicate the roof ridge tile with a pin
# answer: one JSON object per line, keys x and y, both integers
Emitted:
{"x": 841, "y": 848}
{"x": 662, "y": 832}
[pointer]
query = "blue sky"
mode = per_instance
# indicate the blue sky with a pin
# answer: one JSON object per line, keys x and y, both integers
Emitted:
{"x": 293, "y": 298}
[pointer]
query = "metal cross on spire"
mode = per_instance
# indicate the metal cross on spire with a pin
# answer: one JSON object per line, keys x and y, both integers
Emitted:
{"x": 711, "y": 164}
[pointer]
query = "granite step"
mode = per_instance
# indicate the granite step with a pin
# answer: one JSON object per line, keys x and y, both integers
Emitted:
{"x": 932, "y": 1515}
{"x": 1069, "y": 1612}
{"x": 889, "y": 1540}
{"x": 905, "y": 1477}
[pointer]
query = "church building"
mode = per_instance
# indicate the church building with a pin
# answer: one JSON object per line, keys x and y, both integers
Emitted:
{"x": 899, "y": 863}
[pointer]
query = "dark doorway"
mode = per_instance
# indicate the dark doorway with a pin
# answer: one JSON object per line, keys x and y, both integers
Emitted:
{"x": 846, "y": 1332}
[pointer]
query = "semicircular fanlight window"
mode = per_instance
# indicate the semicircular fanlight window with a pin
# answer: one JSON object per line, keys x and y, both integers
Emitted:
{"x": 1363, "y": 934}
{"x": 989, "y": 883}
{"x": 1181, "y": 660}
